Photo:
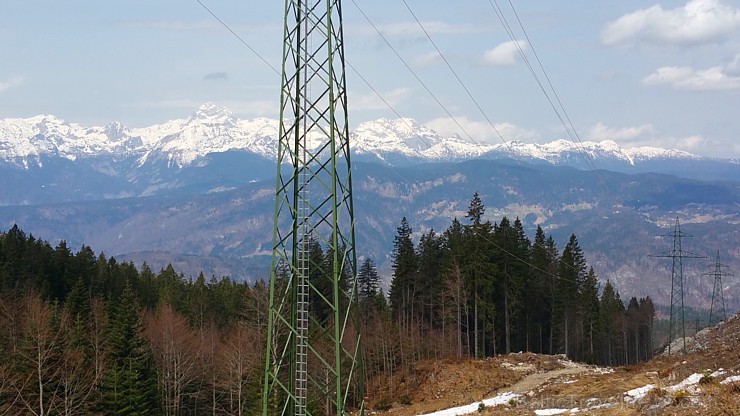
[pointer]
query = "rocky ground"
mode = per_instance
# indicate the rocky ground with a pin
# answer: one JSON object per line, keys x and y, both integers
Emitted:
{"x": 705, "y": 380}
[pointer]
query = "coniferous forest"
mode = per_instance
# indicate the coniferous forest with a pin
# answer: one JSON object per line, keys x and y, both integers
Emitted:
{"x": 84, "y": 334}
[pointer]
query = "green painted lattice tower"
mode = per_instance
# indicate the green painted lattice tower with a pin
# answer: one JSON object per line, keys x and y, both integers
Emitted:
{"x": 313, "y": 361}
{"x": 717, "y": 311}
{"x": 677, "y": 321}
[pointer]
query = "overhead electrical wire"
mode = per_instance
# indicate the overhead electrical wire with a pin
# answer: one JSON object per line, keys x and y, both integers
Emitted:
{"x": 386, "y": 103}
{"x": 254, "y": 51}
{"x": 462, "y": 84}
{"x": 570, "y": 131}
{"x": 266, "y": 62}
{"x": 457, "y": 77}
{"x": 415, "y": 75}
{"x": 556, "y": 276}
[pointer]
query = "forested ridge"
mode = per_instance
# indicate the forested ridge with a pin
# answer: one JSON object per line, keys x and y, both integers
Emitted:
{"x": 81, "y": 333}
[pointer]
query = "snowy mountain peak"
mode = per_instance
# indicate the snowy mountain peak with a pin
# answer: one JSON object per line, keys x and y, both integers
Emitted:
{"x": 212, "y": 129}
{"x": 210, "y": 113}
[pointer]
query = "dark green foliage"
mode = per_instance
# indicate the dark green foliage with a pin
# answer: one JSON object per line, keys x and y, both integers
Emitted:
{"x": 479, "y": 271}
{"x": 429, "y": 277}
{"x": 477, "y": 289}
{"x": 515, "y": 294}
{"x": 571, "y": 274}
{"x": 130, "y": 383}
{"x": 541, "y": 290}
{"x": 368, "y": 281}
{"x": 94, "y": 366}
{"x": 403, "y": 287}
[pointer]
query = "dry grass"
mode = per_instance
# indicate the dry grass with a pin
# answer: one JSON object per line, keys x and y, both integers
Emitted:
{"x": 434, "y": 385}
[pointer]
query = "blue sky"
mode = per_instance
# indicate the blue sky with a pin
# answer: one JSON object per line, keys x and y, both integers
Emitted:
{"x": 641, "y": 73}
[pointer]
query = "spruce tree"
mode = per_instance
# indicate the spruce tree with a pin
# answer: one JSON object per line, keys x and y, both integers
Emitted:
{"x": 511, "y": 252}
{"x": 589, "y": 311}
{"x": 611, "y": 314}
{"x": 479, "y": 271}
{"x": 540, "y": 288}
{"x": 571, "y": 272}
{"x": 404, "y": 269}
{"x": 130, "y": 382}
{"x": 429, "y": 277}
{"x": 368, "y": 281}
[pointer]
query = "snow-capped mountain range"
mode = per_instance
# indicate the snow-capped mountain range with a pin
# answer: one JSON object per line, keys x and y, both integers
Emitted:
{"x": 213, "y": 129}
{"x": 200, "y": 191}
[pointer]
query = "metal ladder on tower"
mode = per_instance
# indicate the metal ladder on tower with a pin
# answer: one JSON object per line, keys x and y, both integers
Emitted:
{"x": 302, "y": 301}
{"x": 303, "y": 266}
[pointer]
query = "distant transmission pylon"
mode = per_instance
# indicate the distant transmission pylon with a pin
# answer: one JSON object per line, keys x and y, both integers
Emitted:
{"x": 677, "y": 307}
{"x": 313, "y": 361}
{"x": 717, "y": 312}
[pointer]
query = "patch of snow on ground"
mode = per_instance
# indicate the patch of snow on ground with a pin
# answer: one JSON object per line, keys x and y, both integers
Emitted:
{"x": 603, "y": 370}
{"x": 691, "y": 380}
{"x": 718, "y": 373}
{"x": 554, "y": 411}
{"x": 634, "y": 395}
{"x": 731, "y": 379}
{"x": 502, "y": 398}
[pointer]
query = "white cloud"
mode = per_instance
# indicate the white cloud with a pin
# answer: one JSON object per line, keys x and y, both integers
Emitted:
{"x": 505, "y": 54}
{"x": 688, "y": 78}
{"x": 427, "y": 58}
{"x": 648, "y": 136}
{"x": 13, "y": 82}
{"x": 478, "y": 130}
{"x": 698, "y": 144}
{"x": 733, "y": 68}
{"x": 697, "y": 22}
{"x": 371, "y": 101}
{"x": 601, "y": 131}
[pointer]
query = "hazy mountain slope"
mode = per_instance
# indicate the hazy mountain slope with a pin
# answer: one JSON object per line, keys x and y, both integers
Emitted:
{"x": 615, "y": 216}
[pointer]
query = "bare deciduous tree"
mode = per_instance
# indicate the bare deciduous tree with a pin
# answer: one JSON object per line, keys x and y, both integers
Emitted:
{"x": 175, "y": 351}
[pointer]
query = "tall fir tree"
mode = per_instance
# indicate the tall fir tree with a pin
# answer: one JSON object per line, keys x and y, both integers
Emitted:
{"x": 479, "y": 271}
{"x": 402, "y": 290}
{"x": 611, "y": 314}
{"x": 589, "y": 315}
{"x": 540, "y": 289}
{"x": 129, "y": 385}
{"x": 571, "y": 273}
{"x": 429, "y": 277}
{"x": 368, "y": 281}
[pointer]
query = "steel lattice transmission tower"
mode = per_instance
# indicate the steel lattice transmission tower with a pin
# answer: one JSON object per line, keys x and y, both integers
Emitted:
{"x": 313, "y": 361}
{"x": 677, "y": 307}
{"x": 717, "y": 312}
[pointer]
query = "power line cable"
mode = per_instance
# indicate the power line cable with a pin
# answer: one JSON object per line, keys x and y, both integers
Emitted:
{"x": 375, "y": 91}
{"x": 528, "y": 263}
{"x": 254, "y": 51}
{"x": 415, "y": 75}
{"x": 459, "y": 80}
{"x": 573, "y": 135}
{"x": 462, "y": 84}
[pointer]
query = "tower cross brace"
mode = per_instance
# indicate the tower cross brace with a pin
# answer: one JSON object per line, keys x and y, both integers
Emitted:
{"x": 677, "y": 254}
{"x": 717, "y": 311}
{"x": 313, "y": 362}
